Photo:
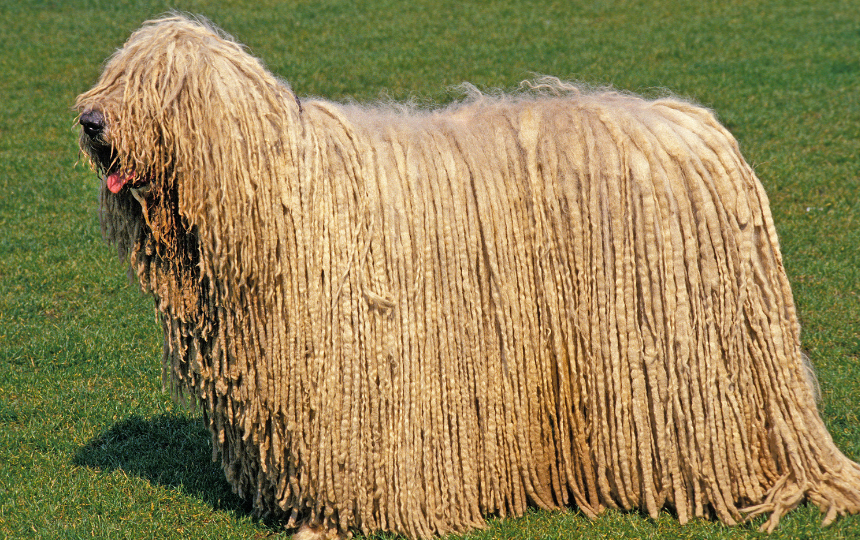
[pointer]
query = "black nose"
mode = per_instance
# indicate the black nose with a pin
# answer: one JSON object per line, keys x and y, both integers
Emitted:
{"x": 93, "y": 123}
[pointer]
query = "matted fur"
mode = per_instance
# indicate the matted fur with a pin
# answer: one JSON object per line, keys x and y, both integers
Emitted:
{"x": 406, "y": 320}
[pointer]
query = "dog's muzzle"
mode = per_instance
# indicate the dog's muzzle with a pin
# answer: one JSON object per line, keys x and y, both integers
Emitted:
{"x": 95, "y": 128}
{"x": 94, "y": 138}
{"x": 93, "y": 123}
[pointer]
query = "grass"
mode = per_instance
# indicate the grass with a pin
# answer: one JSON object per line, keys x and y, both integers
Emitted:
{"x": 90, "y": 444}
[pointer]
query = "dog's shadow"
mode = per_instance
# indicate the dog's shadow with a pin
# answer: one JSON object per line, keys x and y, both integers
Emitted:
{"x": 167, "y": 450}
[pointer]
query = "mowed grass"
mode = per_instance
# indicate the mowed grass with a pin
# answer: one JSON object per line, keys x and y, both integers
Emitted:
{"x": 91, "y": 446}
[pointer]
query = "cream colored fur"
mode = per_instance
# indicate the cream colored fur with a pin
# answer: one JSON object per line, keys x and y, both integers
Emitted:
{"x": 403, "y": 319}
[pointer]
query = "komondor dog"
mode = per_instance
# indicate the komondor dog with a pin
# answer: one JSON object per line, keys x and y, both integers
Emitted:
{"x": 405, "y": 320}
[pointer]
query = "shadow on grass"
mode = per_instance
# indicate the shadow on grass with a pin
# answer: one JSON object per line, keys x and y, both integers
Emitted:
{"x": 167, "y": 450}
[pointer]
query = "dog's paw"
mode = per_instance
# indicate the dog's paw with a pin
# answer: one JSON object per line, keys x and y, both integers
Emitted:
{"x": 306, "y": 532}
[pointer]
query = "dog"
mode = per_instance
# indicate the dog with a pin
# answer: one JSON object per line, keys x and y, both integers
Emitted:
{"x": 405, "y": 319}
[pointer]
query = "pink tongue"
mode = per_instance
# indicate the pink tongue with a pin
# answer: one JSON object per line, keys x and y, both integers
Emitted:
{"x": 115, "y": 181}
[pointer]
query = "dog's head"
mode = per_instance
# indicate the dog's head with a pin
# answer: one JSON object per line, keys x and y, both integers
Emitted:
{"x": 130, "y": 120}
{"x": 174, "y": 100}
{"x": 195, "y": 129}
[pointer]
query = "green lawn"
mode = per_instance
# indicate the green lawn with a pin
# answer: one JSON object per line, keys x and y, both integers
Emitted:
{"x": 92, "y": 447}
